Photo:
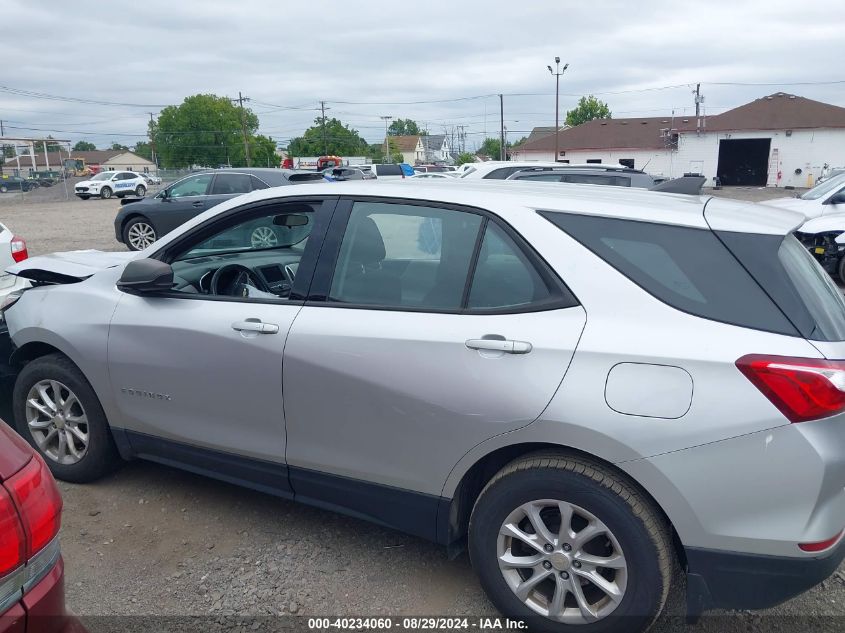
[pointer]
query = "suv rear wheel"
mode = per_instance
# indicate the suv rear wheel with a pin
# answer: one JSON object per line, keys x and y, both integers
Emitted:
{"x": 560, "y": 541}
{"x": 58, "y": 413}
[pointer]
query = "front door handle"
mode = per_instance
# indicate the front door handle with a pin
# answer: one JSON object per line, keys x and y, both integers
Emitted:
{"x": 197, "y": 205}
{"x": 499, "y": 345}
{"x": 254, "y": 325}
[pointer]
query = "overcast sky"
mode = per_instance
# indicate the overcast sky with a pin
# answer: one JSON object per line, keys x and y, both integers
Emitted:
{"x": 287, "y": 56}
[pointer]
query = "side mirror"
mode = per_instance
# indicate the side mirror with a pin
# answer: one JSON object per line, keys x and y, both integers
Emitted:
{"x": 837, "y": 198}
{"x": 164, "y": 194}
{"x": 146, "y": 276}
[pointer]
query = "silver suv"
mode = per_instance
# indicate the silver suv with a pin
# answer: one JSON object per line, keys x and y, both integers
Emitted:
{"x": 586, "y": 387}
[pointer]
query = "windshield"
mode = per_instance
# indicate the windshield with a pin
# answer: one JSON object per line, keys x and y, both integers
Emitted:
{"x": 104, "y": 175}
{"x": 822, "y": 190}
{"x": 267, "y": 233}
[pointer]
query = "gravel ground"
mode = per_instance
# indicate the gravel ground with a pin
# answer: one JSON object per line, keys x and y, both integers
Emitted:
{"x": 151, "y": 540}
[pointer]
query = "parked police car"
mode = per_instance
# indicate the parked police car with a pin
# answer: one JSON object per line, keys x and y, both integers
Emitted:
{"x": 112, "y": 183}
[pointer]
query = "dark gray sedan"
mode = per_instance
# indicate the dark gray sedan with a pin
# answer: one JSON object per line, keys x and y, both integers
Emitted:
{"x": 140, "y": 223}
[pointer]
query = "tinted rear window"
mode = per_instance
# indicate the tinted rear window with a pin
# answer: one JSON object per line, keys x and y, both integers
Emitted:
{"x": 388, "y": 170}
{"x": 687, "y": 268}
{"x": 593, "y": 179}
{"x": 502, "y": 173}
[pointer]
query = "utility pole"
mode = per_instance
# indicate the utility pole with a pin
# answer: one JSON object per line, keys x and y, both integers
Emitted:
{"x": 243, "y": 129}
{"x": 386, "y": 158}
{"x": 699, "y": 99}
{"x": 152, "y": 142}
{"x": 557, "y": 72}
{"x": 323, "y": 126}
{"x": 502, "y": 152}
{"x": 2, "y": 147}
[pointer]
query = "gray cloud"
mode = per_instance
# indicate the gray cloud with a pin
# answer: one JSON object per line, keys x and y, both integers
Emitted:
{"x": 297, "y": 53}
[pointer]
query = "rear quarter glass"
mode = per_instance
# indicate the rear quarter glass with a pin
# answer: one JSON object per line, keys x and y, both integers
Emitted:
{"x": 687, "y": 268}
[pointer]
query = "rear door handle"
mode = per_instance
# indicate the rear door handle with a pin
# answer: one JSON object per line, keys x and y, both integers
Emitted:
{"x": 499, "y": 345}
{"x": 255, "y": 326}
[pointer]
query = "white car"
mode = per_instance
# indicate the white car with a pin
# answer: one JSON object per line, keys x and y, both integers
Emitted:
{"x": 151, "y": 179}
{"x": 826, "y": 198}
{"x": 12, "y": 251}
{"x": 500, "y": 170}
{"x": 112, "y": 183}
{"x": 447, "y": 175}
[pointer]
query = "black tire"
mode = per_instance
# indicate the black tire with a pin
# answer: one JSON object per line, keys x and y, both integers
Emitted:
{"x": 138, "y": 219}
{"x": 84, "y": 197}
{"x": 101, "y": 456}
{"x": 636, "y": 523}
{"x": 119, "y": 195}
{"x": 105, "y": 193}
{"x": 140, "y": 191}
{"x": 4, "y": 189}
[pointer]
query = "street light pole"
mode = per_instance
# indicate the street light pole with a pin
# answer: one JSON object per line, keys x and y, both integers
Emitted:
{"x": 557, "y": 72}
{"x": 386, "y": 144}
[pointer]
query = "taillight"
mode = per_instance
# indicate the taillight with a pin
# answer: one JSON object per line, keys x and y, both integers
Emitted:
{"x": 39, "y": 504}
{"x": 19, "y": 252}
{"x": 12, "y": 539}
{"x": 802, "y": 388}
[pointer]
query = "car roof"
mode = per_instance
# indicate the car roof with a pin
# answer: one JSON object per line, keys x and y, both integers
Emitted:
{"x": 512, "y": 198}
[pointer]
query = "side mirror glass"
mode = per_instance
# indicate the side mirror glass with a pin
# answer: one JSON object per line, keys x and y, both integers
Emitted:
{"x": 146, "y": 276}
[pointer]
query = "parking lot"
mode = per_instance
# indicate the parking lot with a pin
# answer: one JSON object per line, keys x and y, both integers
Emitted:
{"x": 153, "y": 540}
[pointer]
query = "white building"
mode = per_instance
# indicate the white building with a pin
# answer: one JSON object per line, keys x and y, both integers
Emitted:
{"x": 778, "y": 140}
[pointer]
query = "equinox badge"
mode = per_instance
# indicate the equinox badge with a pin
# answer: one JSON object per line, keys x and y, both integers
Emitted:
{"x": 145, "y": 394}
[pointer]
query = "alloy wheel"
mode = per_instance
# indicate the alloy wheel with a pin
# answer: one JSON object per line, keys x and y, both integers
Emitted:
{"x": 57, "y": 422}
{"x": 562, "y": 562}
{"x": 141, "y": 235}
{"x": 263, "y": 237}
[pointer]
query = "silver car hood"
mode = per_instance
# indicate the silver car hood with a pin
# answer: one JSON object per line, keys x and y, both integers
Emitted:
{"x": 72, "y": 265}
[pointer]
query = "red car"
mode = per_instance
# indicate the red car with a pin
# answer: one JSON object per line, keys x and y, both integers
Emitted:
{"x": 32, "y": 593}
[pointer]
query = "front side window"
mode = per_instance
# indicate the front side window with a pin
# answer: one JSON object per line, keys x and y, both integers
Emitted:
{"x": 193, "y": 186}
{"x": 254, "y": 257}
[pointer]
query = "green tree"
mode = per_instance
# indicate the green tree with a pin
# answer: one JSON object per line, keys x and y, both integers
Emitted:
{"x": 405, "y": 127}
{"x": 588, "y": 108}
{"x": 143, "y": 149}
{"x": 84, "y": 146}
{"x": 517, "y": 143}
{"x": 263, "y": 151}
{"x": 203, "y": 130}
{"x": 490, "y": 147}
{"x": 337, "y": 139}
{"x": 52, "y": 147}
{"x": 376, "y": 152}
{"x": 118, "y": 147}
{"x": 465, "y": 157}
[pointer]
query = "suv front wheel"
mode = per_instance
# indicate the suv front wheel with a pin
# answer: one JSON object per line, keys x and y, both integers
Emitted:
{"x": 564, "y": 543}
{"x": 58, "y": 413}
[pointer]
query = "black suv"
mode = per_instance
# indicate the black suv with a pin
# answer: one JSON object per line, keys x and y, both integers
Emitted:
{"x": 139, "y": 223}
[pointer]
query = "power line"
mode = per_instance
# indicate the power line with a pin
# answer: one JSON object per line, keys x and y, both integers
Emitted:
{"x": 43, "y": 95}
